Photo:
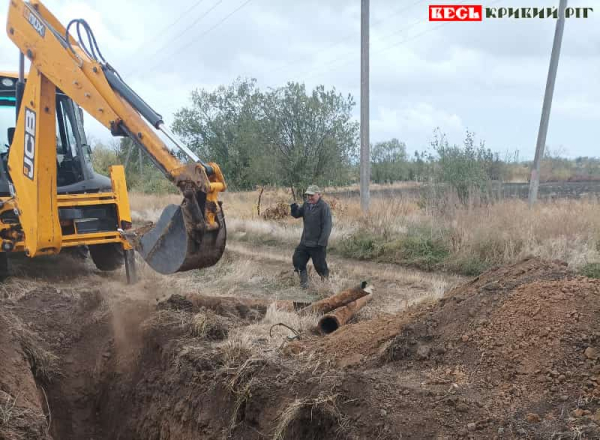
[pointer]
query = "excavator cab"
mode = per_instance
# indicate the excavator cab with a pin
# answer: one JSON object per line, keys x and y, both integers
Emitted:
{"x": 75, "y": 172}
{"x": 75, "y": 179}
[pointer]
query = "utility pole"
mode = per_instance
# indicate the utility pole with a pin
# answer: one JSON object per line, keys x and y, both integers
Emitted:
{"x": 365, "y": 157}
{"x": 534, "y": 181}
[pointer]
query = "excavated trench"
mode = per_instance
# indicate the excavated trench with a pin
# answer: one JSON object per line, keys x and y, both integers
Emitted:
{"x": 82, "y": 358}
{"x": 132, "y": 370}
{"x": 514, "y": 353}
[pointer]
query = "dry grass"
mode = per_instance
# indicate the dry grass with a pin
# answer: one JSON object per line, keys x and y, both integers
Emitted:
{"x": 496, "y": 233}
{"x": 267, "y": 336}
{"x": 240, "y": 385}
{"x": 207, "y": 325}
{"x": 493, "y": 234}
{"x": 301, "y": 323}
{"x": 16, "y": 288}
{"x": 148, "y": 207}
{"x": 236, "y": 349}
{"x": 324, "y": 404}
{"x": 13, "y": 417}
{"x": 396, "y": 287}
{"x": 43, "y": 363}
{"x": 8, "y": 407}
{"x": 506, "y": 231}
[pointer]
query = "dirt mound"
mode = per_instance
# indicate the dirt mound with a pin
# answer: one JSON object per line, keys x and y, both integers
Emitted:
{"x": 512, "y": 354}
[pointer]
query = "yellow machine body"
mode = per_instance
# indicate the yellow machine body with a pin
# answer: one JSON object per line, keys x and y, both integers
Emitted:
{"x": 29, "y": 217}
{"x": 191, "y": 235}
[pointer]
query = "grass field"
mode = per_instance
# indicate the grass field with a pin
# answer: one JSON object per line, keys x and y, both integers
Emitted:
{"x": 440, "y": 234}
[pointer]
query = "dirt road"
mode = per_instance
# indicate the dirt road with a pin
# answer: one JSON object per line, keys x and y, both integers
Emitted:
{"x": 396, "y": 287}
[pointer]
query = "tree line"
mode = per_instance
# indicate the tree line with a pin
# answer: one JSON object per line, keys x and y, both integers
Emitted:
{"x": 292, "y": 137}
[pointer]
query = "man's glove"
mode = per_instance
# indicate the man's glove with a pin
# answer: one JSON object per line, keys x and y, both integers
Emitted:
{"x": 294, "y": 206}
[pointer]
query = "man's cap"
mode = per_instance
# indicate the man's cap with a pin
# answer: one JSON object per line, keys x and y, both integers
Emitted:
{"x": 312, "y": 189}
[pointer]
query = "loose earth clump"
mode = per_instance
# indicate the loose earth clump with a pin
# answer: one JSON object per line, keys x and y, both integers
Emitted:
{"x": 514, "y": 353}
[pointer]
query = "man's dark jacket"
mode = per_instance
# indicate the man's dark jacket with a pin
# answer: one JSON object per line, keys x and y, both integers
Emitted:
{"x": 317, "y": 222}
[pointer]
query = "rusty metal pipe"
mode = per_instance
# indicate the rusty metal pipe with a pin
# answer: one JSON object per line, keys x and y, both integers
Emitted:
{"x": 334, "y": 320}
{"x": 338, "y": 300}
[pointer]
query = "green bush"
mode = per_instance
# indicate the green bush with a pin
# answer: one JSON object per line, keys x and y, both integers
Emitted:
{"x": 468, "y": 265}
{"x": 422, "y": 250}
{"x": 467, "y": 168}
{"x": 419, "y": 247}
{"x": 591, "y": 270}
{"x": 103, "y": 157}
{"x": 362, "y": 245}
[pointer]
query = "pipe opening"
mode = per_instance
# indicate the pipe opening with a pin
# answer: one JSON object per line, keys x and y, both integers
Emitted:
{"x": 329, "y": 324}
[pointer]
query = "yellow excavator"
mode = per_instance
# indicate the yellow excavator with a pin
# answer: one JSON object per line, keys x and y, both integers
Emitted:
{"x": 50, "y": 196}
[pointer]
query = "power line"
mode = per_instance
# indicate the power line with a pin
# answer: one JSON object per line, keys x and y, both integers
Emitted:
{"x": 406, "y": 40}
{"x": 187, "y": 11}
{"x": 398, "y": 43}
{"x": 386, "y": 37}
{"x": 195, "y": 40}
{"x": 162, "y": 31}
{"x": 208, "y": 11}
{"x": 346, "y": 38}
{"x": 345, "y": 60}
{"x": 422, "y": 33}
{"x": 399, "y": 31}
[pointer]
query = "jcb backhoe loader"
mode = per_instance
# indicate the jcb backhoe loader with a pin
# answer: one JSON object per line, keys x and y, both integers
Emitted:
{"x": 50, "y": 197}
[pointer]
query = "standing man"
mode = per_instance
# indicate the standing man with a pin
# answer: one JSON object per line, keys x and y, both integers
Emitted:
{"x": 317, "y": 227}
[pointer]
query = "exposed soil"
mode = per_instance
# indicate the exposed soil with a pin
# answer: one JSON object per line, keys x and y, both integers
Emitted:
{"x": 511, "y": 354}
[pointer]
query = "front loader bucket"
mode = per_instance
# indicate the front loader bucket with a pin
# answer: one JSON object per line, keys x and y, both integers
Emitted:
{"x": 168, "y": 248}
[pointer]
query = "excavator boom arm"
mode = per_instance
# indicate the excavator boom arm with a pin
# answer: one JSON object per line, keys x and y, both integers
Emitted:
{"x": 186, "y": 237}
{"x": 42, "y": 38}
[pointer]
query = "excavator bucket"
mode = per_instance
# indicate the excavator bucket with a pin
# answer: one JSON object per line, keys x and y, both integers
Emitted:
{"x": 193, "y": 234}
{"x": 169, "y": 247}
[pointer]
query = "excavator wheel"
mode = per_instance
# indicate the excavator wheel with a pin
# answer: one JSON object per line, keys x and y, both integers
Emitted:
{"x": 108, "y": 256}
{"x": 77, "y": 252}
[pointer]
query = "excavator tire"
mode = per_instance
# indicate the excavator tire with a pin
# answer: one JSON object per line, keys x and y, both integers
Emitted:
{"x": 77, "y": 252}
{"x": 108, "y": 256}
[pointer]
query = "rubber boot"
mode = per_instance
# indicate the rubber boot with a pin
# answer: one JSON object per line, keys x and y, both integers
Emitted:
{"x": 303, "y": 279}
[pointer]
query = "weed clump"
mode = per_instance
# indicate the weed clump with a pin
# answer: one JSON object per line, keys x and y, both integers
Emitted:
{"x": 418, "y": 247}
{"x": 591, "y": 270}
{"x": 278, "y": 211}
{"x": 206, "y": 324}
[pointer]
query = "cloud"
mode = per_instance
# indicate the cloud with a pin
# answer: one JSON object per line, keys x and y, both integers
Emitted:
{"x": 413, "y": 122}
{"x": 488, "y": 76}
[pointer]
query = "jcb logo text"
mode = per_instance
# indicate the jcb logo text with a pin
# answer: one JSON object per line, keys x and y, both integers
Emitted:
{"x": 29, "y": 156}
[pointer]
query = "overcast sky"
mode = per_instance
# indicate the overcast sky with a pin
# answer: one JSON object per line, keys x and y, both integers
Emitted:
{"x": 488, "y": 77}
